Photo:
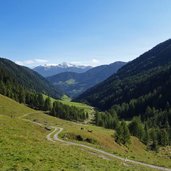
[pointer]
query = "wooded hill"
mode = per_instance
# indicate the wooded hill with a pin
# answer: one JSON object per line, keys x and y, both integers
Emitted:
{"x": 15, "y": 78}
{"x": 149, "y": 73}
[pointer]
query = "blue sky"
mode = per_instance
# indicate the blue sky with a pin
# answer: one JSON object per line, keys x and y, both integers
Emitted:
{"x": 91, "y": 32}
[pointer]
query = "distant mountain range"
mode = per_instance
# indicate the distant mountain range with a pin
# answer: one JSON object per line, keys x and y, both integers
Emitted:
{"x": 14, "y": 77}
{"x": 143, "y": 82}
{"x": 73, "y": 83}
{"x": 49, "y": 70}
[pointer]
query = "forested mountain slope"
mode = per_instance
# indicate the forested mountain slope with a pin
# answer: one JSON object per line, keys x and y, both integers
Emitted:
{"x": 14, "y": 78}
{"x": 149, "y": 73}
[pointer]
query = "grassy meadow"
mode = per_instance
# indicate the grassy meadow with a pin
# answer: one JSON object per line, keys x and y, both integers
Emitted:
{"x": 104, "y": 139}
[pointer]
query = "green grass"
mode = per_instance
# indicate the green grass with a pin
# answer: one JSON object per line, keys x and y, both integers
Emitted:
{"x": 104, "y": 139}
{"x": 23, "y": 146}
{"x": 11, "y": 108}
{"x": 66, "y": 98}
{"x": 70, "y": 82}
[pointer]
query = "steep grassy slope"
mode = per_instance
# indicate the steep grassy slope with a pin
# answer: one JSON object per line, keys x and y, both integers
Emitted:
{"x": 75, "y": 83}
{"x": 13, "y": 75}
{"x": 23, "y": 145}
{"x": 11, "y": 108}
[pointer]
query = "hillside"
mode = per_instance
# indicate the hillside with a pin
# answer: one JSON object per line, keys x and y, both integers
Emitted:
{"x": 75, "y": 83}
{"x": 15, "y": 78}
{"x": 36, "y": 152}
{"x": 149, "y": 73}
{"x": 31, "y": 131}
{"x": 49, "y": 70}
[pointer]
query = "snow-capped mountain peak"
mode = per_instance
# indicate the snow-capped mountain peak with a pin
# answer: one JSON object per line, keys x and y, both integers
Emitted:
{"x": 63, "y": 65}
{"x": 52, "y": 69}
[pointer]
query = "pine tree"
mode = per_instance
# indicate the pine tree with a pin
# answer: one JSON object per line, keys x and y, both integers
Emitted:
{"x": 119, "y": 134}
{"x": 21, "y": 95}
{"x": 87, "y": 115}
{"x": 164, "y": 137}
{"x": 146, "y": 134}
{"x": 47, "y": 104}
{"x": 154, "y": 145}
{"x": 2, "y": 88}
{"x": 40, "y": 101}
{"x": 125, "y": 133}
{"x": 136, "y": 128}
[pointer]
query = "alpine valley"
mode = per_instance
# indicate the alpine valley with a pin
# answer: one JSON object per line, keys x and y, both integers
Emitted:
{"x": 119, "y": 118}
{"x": 76, "y": 83}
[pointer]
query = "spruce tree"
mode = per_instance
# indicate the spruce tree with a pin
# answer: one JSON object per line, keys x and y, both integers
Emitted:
{"x": 164, "y": 137}
{"x": 146, "y": 134}
{"x": 40, "y": 101}
{"x": 119, "y": 134}
{"x": 136, "y": 128}
{"x": 154, "y": 145}
{"x": 47, "y": 104}
{"x": 125, "y": 133}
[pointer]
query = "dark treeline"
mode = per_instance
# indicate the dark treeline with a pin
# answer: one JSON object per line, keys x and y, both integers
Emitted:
{"x": 68, "y": 112}
{"x": 153, "y": 129}
{"x": 154, "y": 113}
{"x": 110, "y": 120}
{"x": 22, "y": 95}
{"x": 37, "y": 101}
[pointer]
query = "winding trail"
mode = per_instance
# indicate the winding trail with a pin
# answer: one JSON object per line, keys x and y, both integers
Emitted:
{"x": 57, "y": 130}
{"x": 23, "y": 116}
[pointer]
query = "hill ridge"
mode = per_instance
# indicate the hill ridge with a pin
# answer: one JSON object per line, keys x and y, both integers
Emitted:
{"x": 75, "y": 83}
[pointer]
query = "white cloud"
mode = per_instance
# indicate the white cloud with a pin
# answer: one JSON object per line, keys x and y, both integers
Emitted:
{"x": 95, "y": 61}
{"x": 32, "y": 62}
{"x": 53, "y": 64}
{"x": 76, "y": 62}
{"x": 19, "y": 62}
{"x": 41, "y": 60}
{"x": 28, "y": 62}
